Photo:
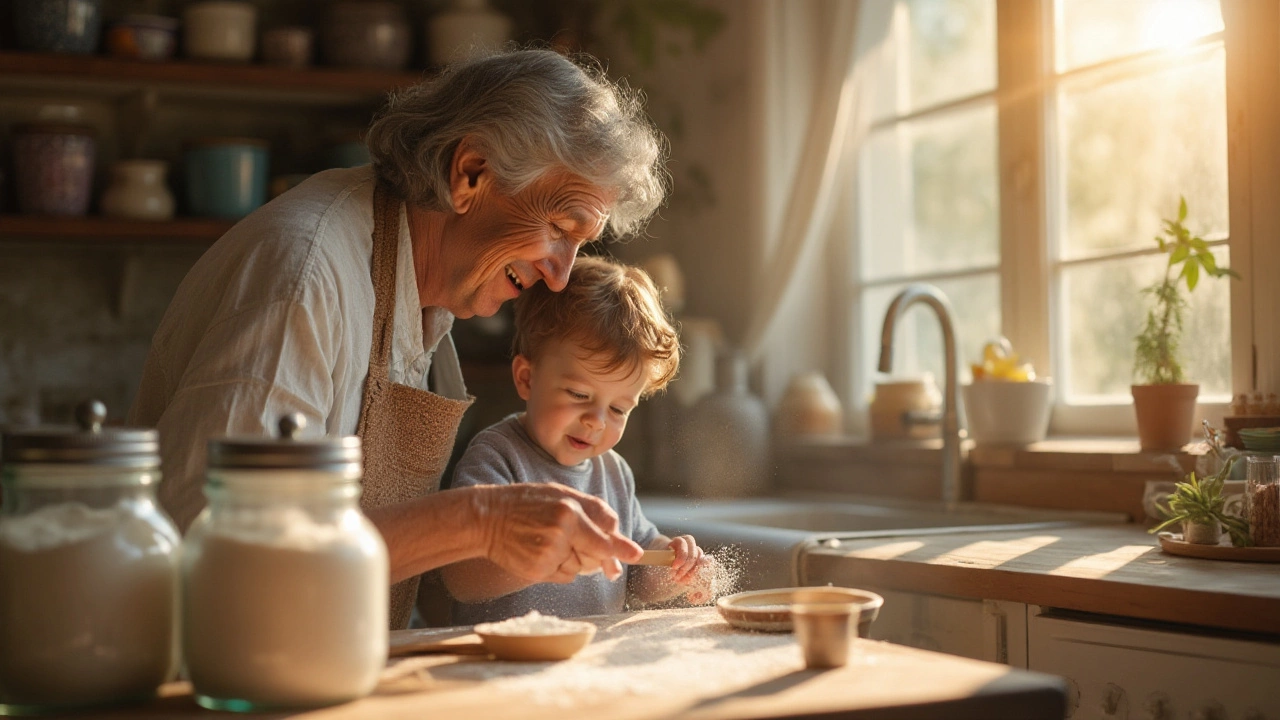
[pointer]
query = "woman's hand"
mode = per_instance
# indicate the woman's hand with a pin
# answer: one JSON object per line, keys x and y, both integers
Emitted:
{"x": 550, "y": 533}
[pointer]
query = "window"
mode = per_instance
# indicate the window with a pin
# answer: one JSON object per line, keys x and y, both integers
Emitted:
{"x": 1021, "y": 157}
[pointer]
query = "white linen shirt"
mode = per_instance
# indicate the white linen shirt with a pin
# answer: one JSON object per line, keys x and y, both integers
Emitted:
{"x": 277, "y": 317}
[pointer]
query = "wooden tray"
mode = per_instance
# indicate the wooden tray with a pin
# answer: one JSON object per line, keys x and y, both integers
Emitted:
{"x": 1172, "y": 543}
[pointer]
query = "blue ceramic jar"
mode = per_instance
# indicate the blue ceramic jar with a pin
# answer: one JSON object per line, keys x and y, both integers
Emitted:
{"x": 226, "y": 177}
{"x": 62, "y": 26}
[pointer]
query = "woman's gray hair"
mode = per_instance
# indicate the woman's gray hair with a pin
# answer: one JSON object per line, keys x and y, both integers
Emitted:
{"x": 532, "y": 111}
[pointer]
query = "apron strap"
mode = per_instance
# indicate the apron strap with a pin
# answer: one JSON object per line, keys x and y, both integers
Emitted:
{"x": 386, "y": 231}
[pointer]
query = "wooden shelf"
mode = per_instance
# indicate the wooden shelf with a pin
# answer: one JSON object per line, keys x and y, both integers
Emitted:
{"x": 102, "y": 75}
{"x": 104, "y": 230}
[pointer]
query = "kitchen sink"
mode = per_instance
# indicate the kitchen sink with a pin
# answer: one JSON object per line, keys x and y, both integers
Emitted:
{"x": 764, "y": 536}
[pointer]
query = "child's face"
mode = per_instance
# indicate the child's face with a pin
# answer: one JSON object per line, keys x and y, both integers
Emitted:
{"x": 572, "y": 410}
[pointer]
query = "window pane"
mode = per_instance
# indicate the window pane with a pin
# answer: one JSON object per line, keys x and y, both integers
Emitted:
{"x": 1129, "y": 149}
{"x": 917, "y": 346}
{"x": 930, "y": 196}
{"x": 1090, "y": 31}
{"x": 942, "y": 50}
{"x": 1104, "y": 311}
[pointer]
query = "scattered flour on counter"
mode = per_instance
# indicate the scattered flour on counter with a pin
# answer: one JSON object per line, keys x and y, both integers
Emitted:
{"x": 532, "y": 623}
{"x": 647, "y": 653}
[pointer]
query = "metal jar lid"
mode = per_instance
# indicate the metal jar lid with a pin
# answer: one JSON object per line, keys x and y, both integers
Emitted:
{"x": 289, "y": 452}
{"x": 86, "y": 443}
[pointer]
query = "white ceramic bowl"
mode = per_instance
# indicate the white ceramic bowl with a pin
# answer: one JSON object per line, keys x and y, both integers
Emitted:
{"x": 1003, "y": 412}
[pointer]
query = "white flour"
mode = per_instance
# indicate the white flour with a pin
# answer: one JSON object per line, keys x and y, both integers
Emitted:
{"x": 644, "y": 654}
{"x": 532, "y": 623}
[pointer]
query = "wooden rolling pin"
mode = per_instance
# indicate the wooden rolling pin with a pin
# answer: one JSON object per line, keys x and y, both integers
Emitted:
{"x": 657, "y": 557}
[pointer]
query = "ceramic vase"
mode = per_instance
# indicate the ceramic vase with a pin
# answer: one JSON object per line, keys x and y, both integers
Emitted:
{"x": 722, "y": 445}
{"x": 809, "y": 408}
{"x": 53, "y": 168}
{"x": 138, "y": 191}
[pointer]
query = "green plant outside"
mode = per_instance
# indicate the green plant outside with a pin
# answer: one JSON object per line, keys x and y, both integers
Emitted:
{"x": 1157, "y": 360}
{"x": 1201, "y": 501}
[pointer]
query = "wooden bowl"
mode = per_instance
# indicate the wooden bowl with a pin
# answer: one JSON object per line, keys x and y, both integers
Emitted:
{"x": 537, "y": 647}
{"x": 770, "y": 610}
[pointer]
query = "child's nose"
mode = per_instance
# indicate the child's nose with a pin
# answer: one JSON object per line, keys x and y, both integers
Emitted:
{"x": 593, "y": 418}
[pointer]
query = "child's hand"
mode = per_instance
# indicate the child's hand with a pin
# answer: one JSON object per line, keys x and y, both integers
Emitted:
{"x": 693, "y": 568}
{"x": 688, "y": 556}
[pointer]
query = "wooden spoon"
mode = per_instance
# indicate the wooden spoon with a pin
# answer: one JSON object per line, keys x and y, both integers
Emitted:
{"x": 657, "y": 557}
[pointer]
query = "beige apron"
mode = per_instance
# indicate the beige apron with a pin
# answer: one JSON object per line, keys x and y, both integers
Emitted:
{"x": 408, "y": 433}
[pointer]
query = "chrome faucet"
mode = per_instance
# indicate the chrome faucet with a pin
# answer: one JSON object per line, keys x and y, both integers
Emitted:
{"x": 933, "y": 297}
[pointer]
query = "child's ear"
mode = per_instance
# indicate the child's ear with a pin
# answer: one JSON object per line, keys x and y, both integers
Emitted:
{"x": 522, "y": 374}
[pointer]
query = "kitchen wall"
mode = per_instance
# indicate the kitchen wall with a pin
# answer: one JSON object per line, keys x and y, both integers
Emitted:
{"x": 75, "y": 320}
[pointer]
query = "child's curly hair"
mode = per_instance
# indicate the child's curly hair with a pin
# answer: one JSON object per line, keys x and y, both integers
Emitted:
{"x": 612, "y": 310}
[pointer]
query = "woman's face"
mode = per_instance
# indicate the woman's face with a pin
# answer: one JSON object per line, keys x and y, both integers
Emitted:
{"x": 498, "y": 245}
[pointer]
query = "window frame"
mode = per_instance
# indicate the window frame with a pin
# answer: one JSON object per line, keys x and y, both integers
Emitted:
{"x": 1029, "y": 280}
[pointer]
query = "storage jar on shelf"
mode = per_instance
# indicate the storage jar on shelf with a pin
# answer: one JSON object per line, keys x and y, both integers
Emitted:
{"x": 226, "y": 176}
{"x": 366, "y": 34}
{"x": 465, "y": 26}
{"x": 138, "y": 191}
{"x": 57, "y": 26}
{"x": 53, "y": 167}
{"x": 285, "y": 581}
{"x": 88, "y": 568}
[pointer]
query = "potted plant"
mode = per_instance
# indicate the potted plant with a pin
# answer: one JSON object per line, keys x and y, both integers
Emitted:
{"x": 1199, "y": 506}
{"x": 1163, "y": 401}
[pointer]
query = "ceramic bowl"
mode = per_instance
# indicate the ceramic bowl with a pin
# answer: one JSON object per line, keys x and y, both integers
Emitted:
{"x": 143, "y": 37}
{"x": 1004, "y": 412}
{"x": 770, "y": 610}
{"x": 536, "y": 647}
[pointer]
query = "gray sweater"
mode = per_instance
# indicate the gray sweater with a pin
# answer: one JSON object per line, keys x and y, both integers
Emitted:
{"x": 503, "y": 454}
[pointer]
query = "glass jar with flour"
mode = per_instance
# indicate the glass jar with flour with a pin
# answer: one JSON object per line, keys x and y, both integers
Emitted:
{"x": 88, "y": 568}
{"x": 285, "y": 582}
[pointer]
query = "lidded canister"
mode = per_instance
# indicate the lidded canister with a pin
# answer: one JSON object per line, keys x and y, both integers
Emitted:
{"x": 285, "y": 581}
{"x": 88, "y": 567}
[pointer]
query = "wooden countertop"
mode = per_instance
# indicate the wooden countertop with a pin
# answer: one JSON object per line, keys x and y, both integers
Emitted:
{"x": 683, "y": 664}
{"x": 1110, "y": 569}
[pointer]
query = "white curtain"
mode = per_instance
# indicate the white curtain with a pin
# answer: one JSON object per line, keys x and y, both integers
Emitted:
{"x": 820, "y": 56}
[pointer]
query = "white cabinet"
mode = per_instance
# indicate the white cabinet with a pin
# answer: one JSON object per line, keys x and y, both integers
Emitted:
{"x": 980, "y": 629}
{"x": 1123, "y": 669}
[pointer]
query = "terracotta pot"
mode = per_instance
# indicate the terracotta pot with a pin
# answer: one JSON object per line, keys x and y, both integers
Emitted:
{"x": 1165, "y": 414}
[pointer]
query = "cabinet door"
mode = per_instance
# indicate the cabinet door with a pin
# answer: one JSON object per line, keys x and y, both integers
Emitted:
{"x": 979, "y": 629}
{"x": 1119, "y": 670}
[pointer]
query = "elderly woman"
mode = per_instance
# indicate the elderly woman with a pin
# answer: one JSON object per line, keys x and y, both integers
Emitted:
{"x": 336, "y": 300}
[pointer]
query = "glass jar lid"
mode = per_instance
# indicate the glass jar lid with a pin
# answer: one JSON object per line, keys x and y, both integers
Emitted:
{"x": 86, "y": 443}
{"x": 289, "y": 452}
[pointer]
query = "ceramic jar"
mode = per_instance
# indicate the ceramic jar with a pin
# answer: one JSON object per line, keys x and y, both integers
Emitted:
{"x": 894, "y": 398}
{"x": 372, "y": 35}
{"x": 60, "y": 26}
{"x": 138, "y": 190}
{"x": 809, "y": 408}
{"x": 285, "y": 592}
{"x": 53, "y": 168}
{"x": 226, "y": 177}
{"x": 287, "y": 46}
{"x": 722, "y": 446}
{"x": 466, "y": 26}
{"x": 88, "y": 568}
{"x": 220, "y": 30}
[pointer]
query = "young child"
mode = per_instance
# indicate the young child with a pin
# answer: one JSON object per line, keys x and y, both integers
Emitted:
{"x": 585, "y": 357}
